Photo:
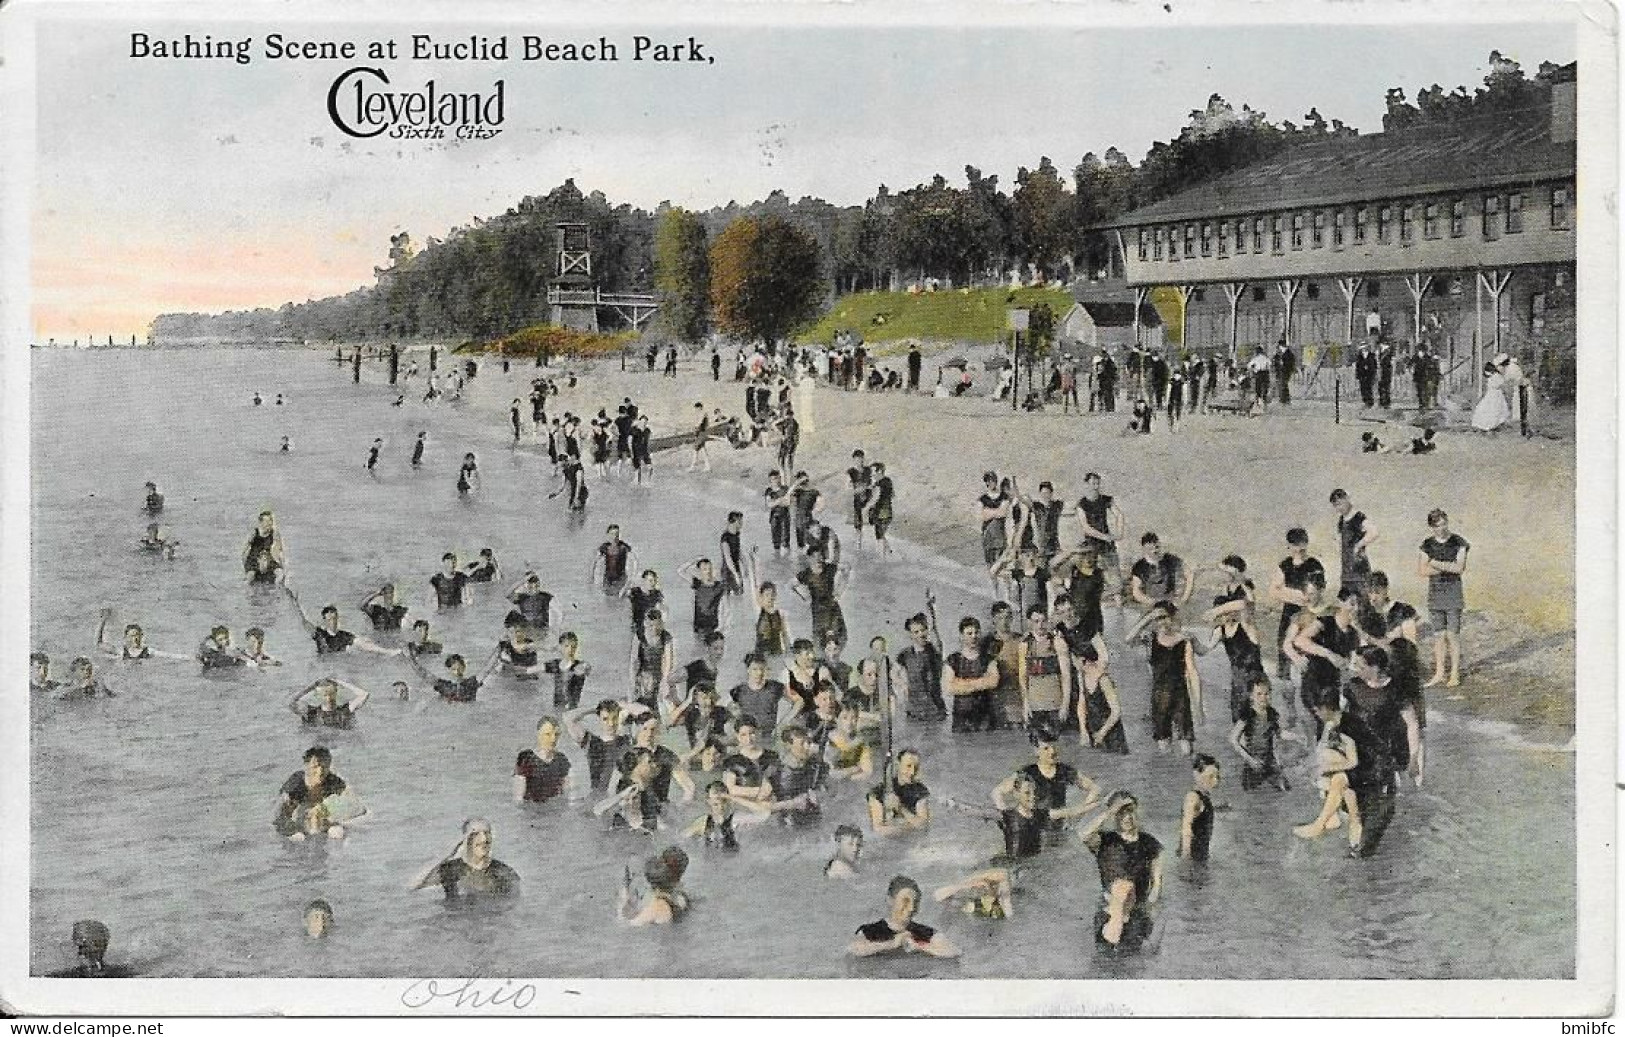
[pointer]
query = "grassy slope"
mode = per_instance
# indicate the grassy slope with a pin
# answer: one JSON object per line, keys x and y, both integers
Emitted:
{"x": 948, "y": 316}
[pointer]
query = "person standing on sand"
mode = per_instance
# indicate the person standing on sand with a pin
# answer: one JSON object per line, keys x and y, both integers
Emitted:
{"x": 1443, "y": 560}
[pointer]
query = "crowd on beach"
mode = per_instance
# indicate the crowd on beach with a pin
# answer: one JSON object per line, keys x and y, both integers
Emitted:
{"x": 781, "y": 731}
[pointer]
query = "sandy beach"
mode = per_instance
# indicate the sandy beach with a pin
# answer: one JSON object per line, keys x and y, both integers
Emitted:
{"x": 1218, "y": 485}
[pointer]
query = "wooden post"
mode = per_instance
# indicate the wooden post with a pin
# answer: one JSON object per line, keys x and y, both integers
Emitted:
{"x": 1289, "y": 291}
{"x": 1417, "y": 284}
{"x": 1495, "y": 282}
{"x": 1185, "y": 292}
{"x": 1350, "y": 287}
{"x": 1139, "y": 300}
{"x": 1478, "y": 334}
{"x": 1233, "y": 291}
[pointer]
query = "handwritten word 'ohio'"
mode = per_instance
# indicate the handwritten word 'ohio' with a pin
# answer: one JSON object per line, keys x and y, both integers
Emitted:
{"x": 467, "y": 993}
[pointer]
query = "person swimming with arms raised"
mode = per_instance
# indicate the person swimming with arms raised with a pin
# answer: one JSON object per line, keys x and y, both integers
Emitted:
{"x": 469, "y": 872}
{"x": 329, "y": 702}
{"x": 329, "y": 636}
{"x": 134, "y": 647}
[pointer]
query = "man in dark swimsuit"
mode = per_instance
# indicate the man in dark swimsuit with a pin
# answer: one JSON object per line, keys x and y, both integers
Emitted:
{"x": 305, "y": 789}
{"x": 898, "y": 932}
{"x": 1355, "y": 534}
{"x": 1130, "y": 862}
{"x": 1288, "y": 585}
{"x": 615, "y": 554}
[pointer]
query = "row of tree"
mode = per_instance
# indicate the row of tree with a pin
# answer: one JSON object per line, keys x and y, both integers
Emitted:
{"x": 491, "y": 278}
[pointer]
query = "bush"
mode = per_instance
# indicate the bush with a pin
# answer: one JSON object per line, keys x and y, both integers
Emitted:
{"x": 558, "y": 341}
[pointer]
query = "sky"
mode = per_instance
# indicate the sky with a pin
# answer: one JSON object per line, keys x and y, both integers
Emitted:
{"x": 205, "y": 185}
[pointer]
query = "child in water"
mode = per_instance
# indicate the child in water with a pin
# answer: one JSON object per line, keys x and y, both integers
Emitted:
{"x": 1335, "y": 757}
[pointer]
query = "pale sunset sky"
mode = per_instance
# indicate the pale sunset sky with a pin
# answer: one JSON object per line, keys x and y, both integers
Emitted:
{"x": 210, "y": 185}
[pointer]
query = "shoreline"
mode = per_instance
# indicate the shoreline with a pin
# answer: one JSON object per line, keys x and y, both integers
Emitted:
{"x": 1518, "y": 674}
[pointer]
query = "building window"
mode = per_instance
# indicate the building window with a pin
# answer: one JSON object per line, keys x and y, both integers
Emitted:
{"x": 1441, "y": 287}
{"x": 1317, "y": 231}
{"x": 1458, "y": 217}
{"x": 1560, "y": 208}
{"x": 1407, "y": 224}
{"x": 1277, "y": 224}
{"x": 1339, "y": 218}
{"x": 1515, "y": 213}
{"x": 1361, "y": 217}
{"x": 1173, "y": 244}
{"x": 1145, "y": 244}
{"x": 1372, "y": 289}
{"x": 1207, "y": 239}
{"x": 1190, "y": 241}
{"x": 1224, "y": 238}
{"x": 1258, "y": 234}
{"x": 1297, "y": 230}
{"x": 1258, "y": 293}
{"x": 1385, "y": 224}
{"x": 1430, "y": 220}
{"x": 1198, "y": 295}
{"x": 1241, "y": 236}
{"x": 1492, "y": 217}
{"x": 1312, "y": 290}
{"x": 1537, "y": 312}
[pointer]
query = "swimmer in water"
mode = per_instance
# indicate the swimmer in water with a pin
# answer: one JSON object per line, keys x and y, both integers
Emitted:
{"x": 532, "y": 604}
{"x": 217, "y": 653}
{"x": 1130, "y": 862}
{"x": 517, "y": 654}
{"x": 422, "y": 643}
{"x": 417, "y": 450}
{"x": 134, "y": 646}
{"x": 468, "y": 476}
{"x": 400, "y": 401}
{"x": 155, "y": 500}
{"x": 848, "y": 847}
{"x": 156, "y": 540}
{"x": 329, "y": 702}
{"x": 39, "y": 674}
{"x": 403, "y": 692}
{"x": 254, "y": 648}
{"x": 263, "y": 558}
{"x": 450, "y": 584}
{"x": 905, "y": 806}
{"x": 483, "y": 569}
{"x": 543, "y": 773}
{"x": 306, "y": 789}
{"x": 470, "y": 871}
{"x": 327, "y": 633}
{"x": 318, "y": 919}
{"x": 898, "y": 932}
{"x": 90, "y": 941}
{"x": 258, "y": 400}
{"x": 82, "y": 684}
{"x": 457, "y": 687}
{"x": 985, "y": 894}
{"x": 666, "y": 902}
{"x": 279, "y": 399}
{"x": 615, "y": 556}
{"x": 287, "y": 446}
{"x": 717, "y": 826}
{"x": 383, "y": 608}
{"x": 372, "y": 456}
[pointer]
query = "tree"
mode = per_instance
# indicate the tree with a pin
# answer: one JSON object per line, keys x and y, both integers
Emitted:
{"x": 1043, "y": 224}
{"x": 766, "y": 279}
{"x": 683, "y": 275}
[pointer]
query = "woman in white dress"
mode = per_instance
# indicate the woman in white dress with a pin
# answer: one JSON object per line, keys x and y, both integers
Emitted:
{"x": 1492, "y": 411}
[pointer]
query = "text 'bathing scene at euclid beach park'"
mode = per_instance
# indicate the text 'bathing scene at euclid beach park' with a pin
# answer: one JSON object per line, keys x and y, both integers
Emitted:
{"x": 1153, "y": 568}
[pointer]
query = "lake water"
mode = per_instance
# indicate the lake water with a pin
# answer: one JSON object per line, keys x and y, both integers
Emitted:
{"x": 151, "y": 810}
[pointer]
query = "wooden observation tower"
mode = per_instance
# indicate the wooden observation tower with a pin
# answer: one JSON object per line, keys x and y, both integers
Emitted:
{"x": 573, "y": 299}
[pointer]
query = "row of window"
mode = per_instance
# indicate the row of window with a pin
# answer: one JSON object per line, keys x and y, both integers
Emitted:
{"x": 1498, "y": 214}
